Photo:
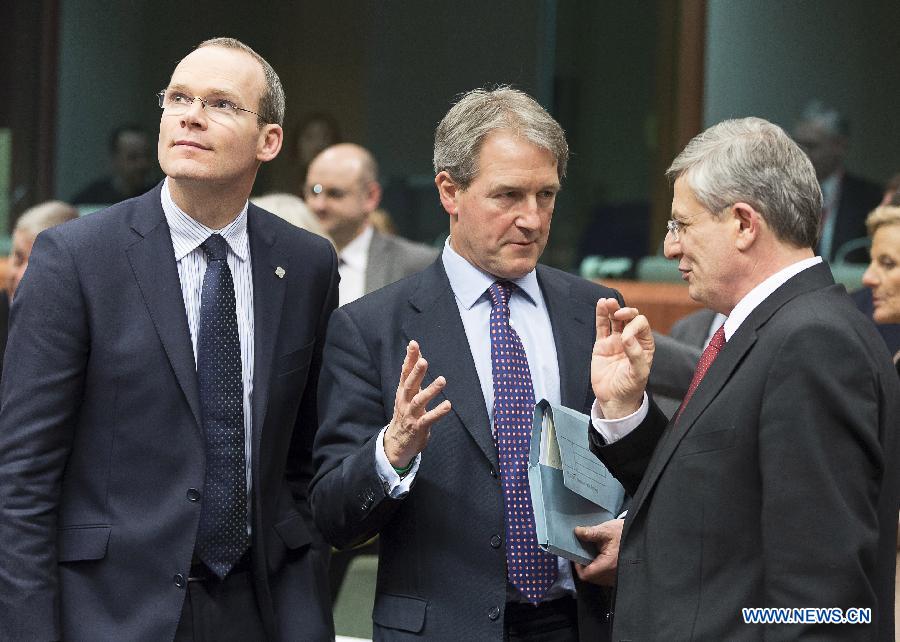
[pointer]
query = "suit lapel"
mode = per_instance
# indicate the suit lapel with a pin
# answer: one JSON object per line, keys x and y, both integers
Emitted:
{"x": 268, "y": 300}
{"x": 152, "y": 259}
{"x": 435, "y": 323}
{"x": 573, "y": 334}
{"x": 722, "y": 369}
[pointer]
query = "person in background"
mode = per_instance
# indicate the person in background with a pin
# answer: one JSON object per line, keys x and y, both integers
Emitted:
{"x": 882, "y": 277}
{"x": 292, "y": 209}
{"x": 130, "y": 161}
{"x": 315, "y": 131}
{"x": 824, "y": 134}
{"x": 30, "y": 223}
{"x": 342, "y": 189}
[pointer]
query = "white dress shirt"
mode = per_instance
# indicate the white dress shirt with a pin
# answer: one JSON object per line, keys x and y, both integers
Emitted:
{"x": 613, "y": 430}
{"x": 352, "y": 263}
{"x": 187, "y": 237}
{"x": 531, "y": 321}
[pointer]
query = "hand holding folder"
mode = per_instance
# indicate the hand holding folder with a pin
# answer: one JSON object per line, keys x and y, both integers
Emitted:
{"x": 570, "y": 487}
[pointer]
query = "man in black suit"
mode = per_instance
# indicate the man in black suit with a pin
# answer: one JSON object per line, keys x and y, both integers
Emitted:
{"x": 155, "y": 440}
{"x": 433, "y": 483}
{"x": 824, "y": 134}
{"x": 776, "y": 484}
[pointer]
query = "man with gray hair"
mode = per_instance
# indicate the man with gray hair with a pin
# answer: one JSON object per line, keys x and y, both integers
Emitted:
{"x": 30, "y": 223}
{"x": 155, "y": 441}
{"x": 824, "y": 134}
{"x": 776, "y": 483}
{"x": 446, "y": 488}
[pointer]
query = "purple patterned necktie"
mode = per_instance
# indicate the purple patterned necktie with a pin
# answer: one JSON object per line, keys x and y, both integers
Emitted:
{"x": 530, "y": 570}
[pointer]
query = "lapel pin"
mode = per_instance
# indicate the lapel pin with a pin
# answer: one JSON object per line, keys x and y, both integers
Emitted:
{"x": 279, "y": 272}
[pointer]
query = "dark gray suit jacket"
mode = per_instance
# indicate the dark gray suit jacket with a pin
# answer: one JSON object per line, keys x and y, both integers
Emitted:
{"x": 101, "y": 445}
{"x": 778, "y": 486}
{"x": 392, "y": 258}
{"x": 442, "y": 565}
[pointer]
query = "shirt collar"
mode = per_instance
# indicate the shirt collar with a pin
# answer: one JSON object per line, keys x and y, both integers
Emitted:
{"x": 759, "y": 294}
{"x": 470, "y": 283}
{"x": 188, "y": 234}
{"x": 356, "y": 253}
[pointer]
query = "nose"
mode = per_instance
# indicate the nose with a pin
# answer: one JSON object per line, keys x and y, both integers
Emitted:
{"x": 869, "y": 278}
{"x": 316, "y": 201}
{"x": 529, "y": 217}
{"x": 671, "y": 247}
{"x": 195, "y": 114}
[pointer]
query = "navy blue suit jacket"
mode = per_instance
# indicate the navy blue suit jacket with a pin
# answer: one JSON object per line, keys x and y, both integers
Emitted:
{"x": 100, "y": 433}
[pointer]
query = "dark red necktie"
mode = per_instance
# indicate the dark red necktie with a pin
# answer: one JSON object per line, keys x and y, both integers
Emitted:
{"x": 716, "y": 343}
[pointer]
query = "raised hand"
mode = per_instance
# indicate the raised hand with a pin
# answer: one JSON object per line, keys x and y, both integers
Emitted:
{"x": 621, "y": 359}
{"x": 407, "y": 434}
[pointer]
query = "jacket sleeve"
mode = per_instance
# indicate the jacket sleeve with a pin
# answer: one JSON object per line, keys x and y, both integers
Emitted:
{"x": 42, "y": 385}
{"x": 348, "y": 499}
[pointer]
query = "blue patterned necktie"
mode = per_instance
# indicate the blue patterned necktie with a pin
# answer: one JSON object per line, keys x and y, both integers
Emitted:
{"x": 530, "y": 570}
{"x": 222, "y": 537}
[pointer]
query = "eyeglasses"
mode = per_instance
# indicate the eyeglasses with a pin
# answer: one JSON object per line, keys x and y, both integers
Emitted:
{"x": 176, "y": 103}
{"x": 674, "y": 227}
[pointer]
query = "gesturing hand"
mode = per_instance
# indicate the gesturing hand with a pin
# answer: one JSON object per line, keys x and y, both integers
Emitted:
{"x": 621, "y": 359}
{"x": 607, "y": 536}
{"x": 410, "y": 427}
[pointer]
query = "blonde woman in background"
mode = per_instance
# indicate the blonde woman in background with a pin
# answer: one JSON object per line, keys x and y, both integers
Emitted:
{"x": 293, "y": 210}
{"x": 883, "y": 278}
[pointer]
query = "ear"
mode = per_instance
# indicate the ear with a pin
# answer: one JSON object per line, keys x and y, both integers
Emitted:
{"x": 271, "y": 137}
{"x": 447, "y": 190}
{"x": 750, "y": 225}
{"x": 373, "y": 195}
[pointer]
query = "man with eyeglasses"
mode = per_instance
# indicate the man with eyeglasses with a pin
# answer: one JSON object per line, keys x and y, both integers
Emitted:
{"x": 776, "y": 482}
{"x": 155, "y": 441}
{"x": 342, "y": 189}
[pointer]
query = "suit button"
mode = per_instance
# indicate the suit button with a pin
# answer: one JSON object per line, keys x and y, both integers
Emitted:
{"x": 496, "y": 541}
{"x": 179, "y": 580}
{"x": 494, "y": 473}
{"x": 193, "y": 495}
{"x": 494, "y": 613}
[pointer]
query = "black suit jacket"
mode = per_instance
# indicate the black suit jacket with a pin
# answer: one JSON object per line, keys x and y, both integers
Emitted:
{"x": 778, "y": 487}
{"x": 101, "y": 440}
{"x": 442, "y": 564}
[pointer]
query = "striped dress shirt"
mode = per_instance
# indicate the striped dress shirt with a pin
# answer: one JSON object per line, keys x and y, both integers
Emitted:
{"x": 187, "y": 236}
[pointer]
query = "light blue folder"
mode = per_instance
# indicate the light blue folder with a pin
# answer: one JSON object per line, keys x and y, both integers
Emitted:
{"x": 569, "y": 486}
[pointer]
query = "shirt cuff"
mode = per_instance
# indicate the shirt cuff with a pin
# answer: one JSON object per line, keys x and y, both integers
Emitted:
{"x": 614, "y": 429}
{"x": 394, "y": 486}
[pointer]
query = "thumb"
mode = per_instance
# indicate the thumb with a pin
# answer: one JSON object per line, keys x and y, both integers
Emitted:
{"x": 595, "y": 533}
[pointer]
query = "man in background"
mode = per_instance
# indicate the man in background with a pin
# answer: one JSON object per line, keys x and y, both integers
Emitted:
{"x": 131, "y": 163}
{"x": 32, "y": 222}
{"x": 342, "y": 189}
{"x": 824, "y": 134}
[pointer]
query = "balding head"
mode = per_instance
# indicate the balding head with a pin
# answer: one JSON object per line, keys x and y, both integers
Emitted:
{"x": 31, "y": 223}
{"x": 342, "y": 189}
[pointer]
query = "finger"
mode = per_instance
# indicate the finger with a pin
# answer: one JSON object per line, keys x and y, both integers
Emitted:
{"x": 635, "y": 335}
{"x": 419, "y": 402}
{"x": 603, "y": 314}
{"x": 596, "y": 534}
{"x": 435, "y": 414}
{"x": 413, "y": 382}
{"x": 625, "y": 314}
{"x": 412, "y": 355}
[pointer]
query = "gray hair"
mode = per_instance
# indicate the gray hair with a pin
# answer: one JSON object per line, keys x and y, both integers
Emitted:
{"x": 45, "y": 215}
{"x": 461, "y": 133}
{"x": 271, "y": 105}
{"x": 754, "y": 161}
